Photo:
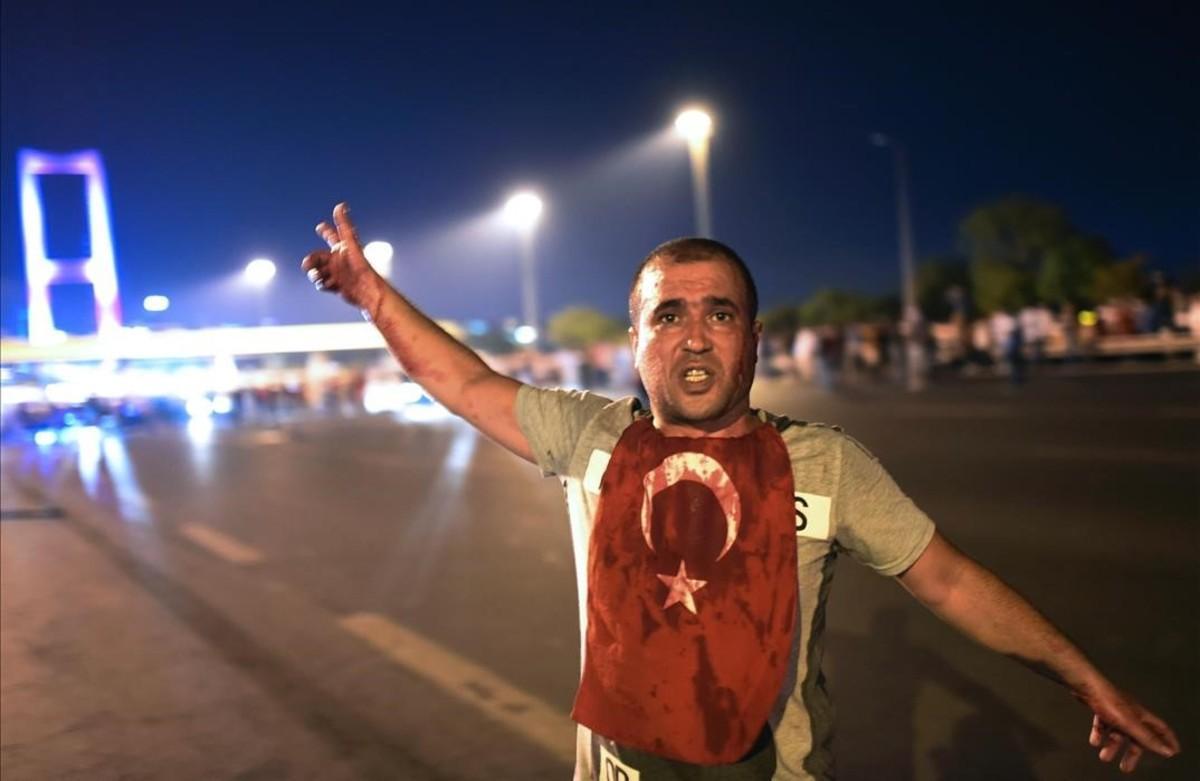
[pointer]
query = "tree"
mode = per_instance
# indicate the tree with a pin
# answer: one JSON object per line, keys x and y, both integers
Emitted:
{"x": 999, "y": 286}
{"x": 1014, "y": 230}
{"x": 1068, "y": 270}
{"x": 1118, "y": 280}
{"x": 936, "y": 279}
{"x": 782, "y": 320}
{"x": 837, "y": 307}
{"x": 578, "y": 327}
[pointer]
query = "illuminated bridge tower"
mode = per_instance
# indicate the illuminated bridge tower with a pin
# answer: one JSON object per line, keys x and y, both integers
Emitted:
{"x": 99, "y": 270}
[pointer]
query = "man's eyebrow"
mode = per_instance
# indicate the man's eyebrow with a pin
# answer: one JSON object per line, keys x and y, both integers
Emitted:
{"x": 719, "y": 301}
{"x": 670, "y": 303}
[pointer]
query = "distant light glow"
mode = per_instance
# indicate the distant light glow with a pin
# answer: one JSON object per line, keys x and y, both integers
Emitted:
{"x": 525, "y": 334}
{"x": 379, "y": 255}
{"x": 523, "y": 210}
{"x": 390, "y": 396}
{"x": 21, "y": 394}
{"x": 199, "y": 407}
{"x": 425, "y": 413}
{"x": 156, "y": 303}
{"x": 200, "y": 430}
{"x": 259, "y": 272}
{"x": 45, "y": 437}
{"x": 47, "y": 337}
{"x": 222, "y": 404}
{"x": 694, "y": 124}
{"x": 66, "y": 393}
{"x": 1087, "y": 318}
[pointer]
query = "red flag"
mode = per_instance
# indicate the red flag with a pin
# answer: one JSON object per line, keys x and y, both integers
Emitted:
{"x": 691, "y": 593}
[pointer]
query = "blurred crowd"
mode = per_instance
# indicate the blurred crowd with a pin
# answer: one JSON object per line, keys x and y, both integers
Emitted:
{"x": 1004, "y": 342}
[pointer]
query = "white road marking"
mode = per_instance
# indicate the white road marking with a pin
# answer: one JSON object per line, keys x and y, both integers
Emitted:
{"x": 220, "y": 544}
{"x": 532, "y": 718}
{"x": 269, "y": 437}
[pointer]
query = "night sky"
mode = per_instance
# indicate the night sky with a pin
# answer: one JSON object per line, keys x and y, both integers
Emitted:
{"x": 228, "y": 131}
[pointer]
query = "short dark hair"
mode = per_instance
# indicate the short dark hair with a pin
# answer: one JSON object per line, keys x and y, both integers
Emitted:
{"x": 691, "y": 249}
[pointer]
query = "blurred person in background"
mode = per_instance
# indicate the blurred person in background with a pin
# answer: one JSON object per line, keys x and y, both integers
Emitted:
{"x": 804, "y": 353}
{"x": 704, "y": 531}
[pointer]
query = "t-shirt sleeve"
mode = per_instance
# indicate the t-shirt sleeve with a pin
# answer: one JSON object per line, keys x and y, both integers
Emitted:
{"x": 552, "y": 421}
{"x": 880, "y": 526}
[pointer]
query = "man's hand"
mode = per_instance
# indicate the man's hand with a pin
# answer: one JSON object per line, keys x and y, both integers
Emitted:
{"x": 343, "y": 268}
{"x": 977, "y": 603}
{"x": 1121, "y": 727}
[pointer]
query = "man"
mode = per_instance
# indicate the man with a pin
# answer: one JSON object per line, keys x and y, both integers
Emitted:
{"x": 705, "y": 533}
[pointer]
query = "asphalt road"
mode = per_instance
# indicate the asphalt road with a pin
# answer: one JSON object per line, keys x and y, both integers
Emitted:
{"x": 397, "y": 599}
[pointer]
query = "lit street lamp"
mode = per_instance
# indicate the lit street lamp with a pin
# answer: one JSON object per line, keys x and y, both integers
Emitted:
{"x": 379, "y": 255}
{"x": 910, "y": 316}
{"x": 259, "y": 273}
{"x": 156, "y": 303}
{"x": 695, "y": 126}
{"x": 522, "y": 211}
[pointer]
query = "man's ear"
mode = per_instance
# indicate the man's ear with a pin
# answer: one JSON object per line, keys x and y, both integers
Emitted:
{"x": 758, "y": 329}
{"x": 633, "y": 339}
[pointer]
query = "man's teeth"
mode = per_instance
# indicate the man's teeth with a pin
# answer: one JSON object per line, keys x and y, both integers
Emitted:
{"x": 696, "y": 375}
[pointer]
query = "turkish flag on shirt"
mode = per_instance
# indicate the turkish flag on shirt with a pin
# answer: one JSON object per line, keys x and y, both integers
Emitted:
{"x": 691, "y": 593}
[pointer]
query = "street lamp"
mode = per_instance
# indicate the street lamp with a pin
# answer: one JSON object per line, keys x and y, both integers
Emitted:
{"x": 911, "y": 316}
{"x": 156, "y": 303}
{"x": 522, "y": 211}
{"x": 259, "y": 273}
{"x": 379, "y": 255}
{"x": 695, "y": 126}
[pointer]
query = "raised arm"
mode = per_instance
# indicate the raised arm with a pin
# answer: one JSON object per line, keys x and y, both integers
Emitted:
{"x": 447, "y": 369}
{"x": 969, "y": 597}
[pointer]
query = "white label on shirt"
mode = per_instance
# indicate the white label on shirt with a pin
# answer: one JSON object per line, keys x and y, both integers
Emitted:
{"x": 812, "y": 516}
{"x": 595, "y": 470}
{"x": 613, "y": 769}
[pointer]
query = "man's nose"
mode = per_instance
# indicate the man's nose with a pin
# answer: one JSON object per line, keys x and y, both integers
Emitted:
{"x": 697, "y": 340}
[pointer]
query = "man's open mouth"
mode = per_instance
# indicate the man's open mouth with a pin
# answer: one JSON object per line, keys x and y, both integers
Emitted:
{"x": 697, "y": 379}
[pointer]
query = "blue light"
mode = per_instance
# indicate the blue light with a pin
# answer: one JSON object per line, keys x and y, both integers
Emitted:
{"x": 45, "y": 437}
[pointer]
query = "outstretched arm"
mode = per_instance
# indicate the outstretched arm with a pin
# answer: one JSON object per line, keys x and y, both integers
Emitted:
{"x": 447, "y": 369}
{"x": 969, "y": 597}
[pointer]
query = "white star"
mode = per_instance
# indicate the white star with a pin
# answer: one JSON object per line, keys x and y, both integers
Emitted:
{"x": 681, "y": 588}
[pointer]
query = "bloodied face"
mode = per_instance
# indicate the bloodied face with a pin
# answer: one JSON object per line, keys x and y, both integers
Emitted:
{"x": 695, "y": 346}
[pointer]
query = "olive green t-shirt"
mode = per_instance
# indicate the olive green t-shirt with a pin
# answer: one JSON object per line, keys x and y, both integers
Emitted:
{"x": 844, "y": 499}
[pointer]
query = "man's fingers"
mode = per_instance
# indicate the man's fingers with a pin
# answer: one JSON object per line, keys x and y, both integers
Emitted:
{"x": 1096, "y": 737}
{"x": 314, "y": 260}
{"x": 1152, "y": 733}
{"x": 1168, "y": 743}
{"x": 327, "y": 232}
{"x": 345, "y": 228}
{"x": 1129, "y": 762}
{"x": 1112, "y": 746}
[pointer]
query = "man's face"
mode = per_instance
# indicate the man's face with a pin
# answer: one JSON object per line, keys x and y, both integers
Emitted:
{"x": 694, "y": 343}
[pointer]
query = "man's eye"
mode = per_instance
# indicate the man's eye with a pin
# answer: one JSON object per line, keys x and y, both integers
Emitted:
{"x": 668, "y": 318}
{"x": 723, "y": 317}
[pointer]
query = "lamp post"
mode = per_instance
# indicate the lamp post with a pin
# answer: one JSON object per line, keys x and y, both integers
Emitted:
{"x": 910, "y": 316}
{"x": 259, "y": 273}
{"x": 695, "y": 126}
{"x": 379, "y": 255}
{"x": 522, "y": 211}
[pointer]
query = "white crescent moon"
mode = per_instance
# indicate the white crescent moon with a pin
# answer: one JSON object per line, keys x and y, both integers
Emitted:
{"x": 698, "y": 468}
